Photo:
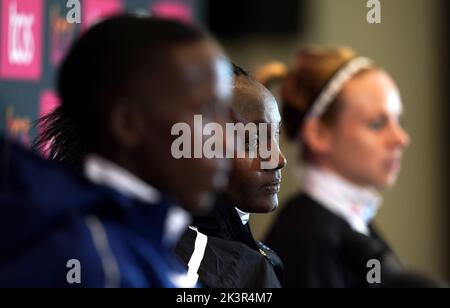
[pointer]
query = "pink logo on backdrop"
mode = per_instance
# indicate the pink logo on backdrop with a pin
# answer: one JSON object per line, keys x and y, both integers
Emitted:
{"x": 178, "y": 10}
{"x": 49, "y": 102}
{"x": 95, "y": 10}
{"x": 21, "y": 39}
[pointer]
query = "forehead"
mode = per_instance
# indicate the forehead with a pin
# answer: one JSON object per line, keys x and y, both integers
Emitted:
{"x": 373, "y": 91}
{"x": 195, "y": 62}
{"x": 254, "y": 103}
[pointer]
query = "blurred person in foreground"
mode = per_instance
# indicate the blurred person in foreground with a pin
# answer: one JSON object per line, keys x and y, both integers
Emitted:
{"x": 123, "y": 86}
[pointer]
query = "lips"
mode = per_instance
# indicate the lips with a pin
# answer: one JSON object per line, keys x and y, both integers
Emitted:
{"x": 271, "y": 182}
{"x": 393, "y": 165}
{"x": 272, "y": 187}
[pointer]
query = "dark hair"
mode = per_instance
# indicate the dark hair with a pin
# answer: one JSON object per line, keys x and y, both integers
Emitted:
{"x": 100, "y": 67}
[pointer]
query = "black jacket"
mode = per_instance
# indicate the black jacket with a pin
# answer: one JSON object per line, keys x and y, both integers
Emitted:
{"x": 232, "y": 259}
{"x": 321, "y": 250}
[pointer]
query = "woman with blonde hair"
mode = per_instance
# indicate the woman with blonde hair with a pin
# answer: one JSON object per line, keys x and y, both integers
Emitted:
{"x": 345, "y": 115}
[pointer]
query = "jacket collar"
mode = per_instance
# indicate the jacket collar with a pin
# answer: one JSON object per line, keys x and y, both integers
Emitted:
{"x": 104, "y": 172}
{"x": 356, "y": 205}
{"x": 245, "y": 217}
{"x": 225, "y": 222}
{"x": 171, "y": 219}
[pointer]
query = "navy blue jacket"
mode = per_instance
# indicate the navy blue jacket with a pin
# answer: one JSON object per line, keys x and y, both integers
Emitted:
{"x": 54, "y": 222}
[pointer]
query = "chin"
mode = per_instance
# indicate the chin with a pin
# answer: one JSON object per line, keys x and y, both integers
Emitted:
{"x": 261, "y": 207}
{"x": 274, "y": 208}
{"x": 390, "y": 183}
{"x": 386, "y": 182}
{"x": 269, "y": 207}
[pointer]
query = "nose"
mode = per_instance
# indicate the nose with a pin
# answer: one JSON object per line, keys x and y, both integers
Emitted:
{"x": 276, "y": 164}
{"x": 400, "y": 137}
{"x": 282, "y": 161}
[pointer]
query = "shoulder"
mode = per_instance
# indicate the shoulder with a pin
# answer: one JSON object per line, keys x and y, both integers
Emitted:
{"x": 48, "y": 260}
{"x": 232, "y": 264}
{"x": 226, "y": 263}
{"x": 302, "y": 219}
{"x": 89, "y": 251}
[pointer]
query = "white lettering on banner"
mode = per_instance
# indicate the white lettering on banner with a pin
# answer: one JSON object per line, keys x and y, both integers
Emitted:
{"x": 20, "y": 37}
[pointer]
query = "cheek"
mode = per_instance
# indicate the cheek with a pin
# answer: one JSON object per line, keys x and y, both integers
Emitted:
{"x": 359, "y": 146}
{"x": 370, "y": 145}
{"x": 242, "y": 172}
{"x": 244, "y": 178}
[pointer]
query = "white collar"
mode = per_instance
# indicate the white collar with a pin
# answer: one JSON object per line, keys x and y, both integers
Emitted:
{"x": 104, "y": 172}
{"x": 245, "y": 217}
{"x": 355, "y": 204}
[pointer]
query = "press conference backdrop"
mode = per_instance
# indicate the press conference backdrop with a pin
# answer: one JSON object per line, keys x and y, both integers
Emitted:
{"x": 35, "y": 35}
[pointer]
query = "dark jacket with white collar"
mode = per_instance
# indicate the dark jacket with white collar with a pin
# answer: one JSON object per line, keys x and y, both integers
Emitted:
{"x": 49, "y": 216}
{"x": 232, "y": 259}
{"x": 320, "y": 249}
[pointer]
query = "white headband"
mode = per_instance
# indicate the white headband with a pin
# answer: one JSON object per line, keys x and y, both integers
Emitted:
{"x": 335, "y": 85}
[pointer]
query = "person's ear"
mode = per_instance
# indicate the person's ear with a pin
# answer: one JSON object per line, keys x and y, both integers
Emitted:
{"x": 127, "y": 124}
{"x": 317, "y": 136}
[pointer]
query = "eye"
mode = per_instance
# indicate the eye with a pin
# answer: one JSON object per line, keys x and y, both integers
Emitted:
{"x": 377, "y": 124}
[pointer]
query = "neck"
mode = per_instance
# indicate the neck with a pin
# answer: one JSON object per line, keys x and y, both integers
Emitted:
{"x": 355, "y": 204}
{"x": 123, "y": 160}
{"x": 328, "y": 167}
